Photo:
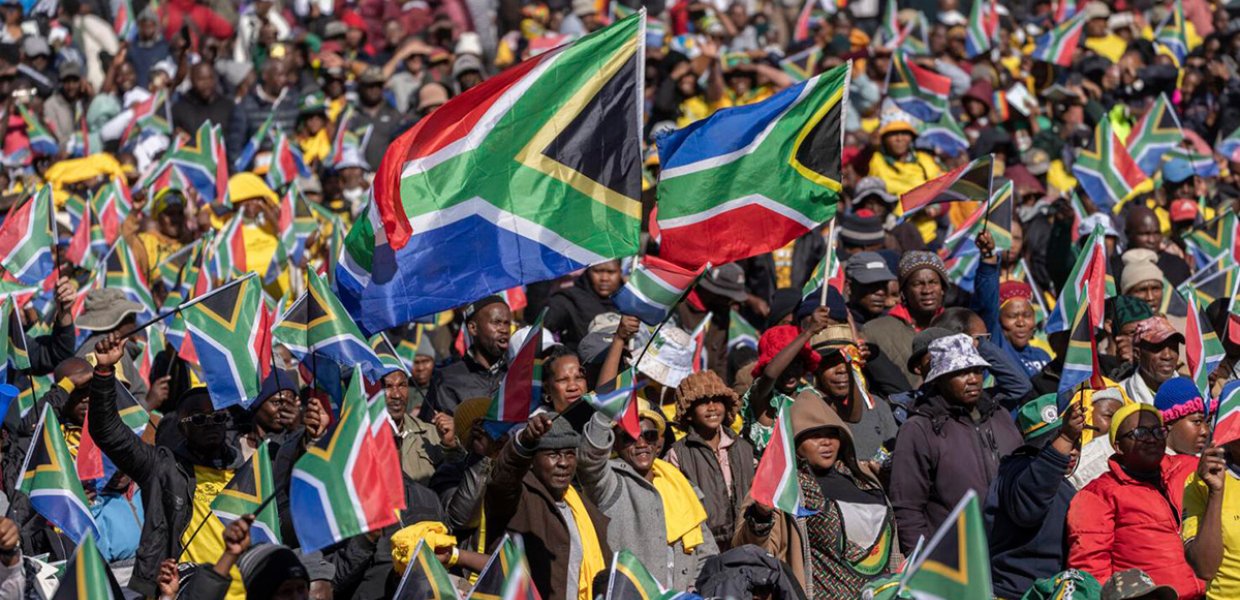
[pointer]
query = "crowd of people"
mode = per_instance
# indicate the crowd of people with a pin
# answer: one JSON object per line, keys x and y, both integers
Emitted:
{"x": 927, "y": 374}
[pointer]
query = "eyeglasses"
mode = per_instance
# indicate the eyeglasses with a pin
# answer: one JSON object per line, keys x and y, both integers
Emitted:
{"x": 982, "y": 337}
{"x": 200, "y": 419}
{"x": 1146, "y": 434}
{"x": 651, "y": 436}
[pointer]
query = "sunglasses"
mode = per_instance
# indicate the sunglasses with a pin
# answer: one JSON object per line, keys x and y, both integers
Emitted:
{"x": 1146, "y": 434}
{"x": 651, "y": 436}
{"x": 201, "y": 419}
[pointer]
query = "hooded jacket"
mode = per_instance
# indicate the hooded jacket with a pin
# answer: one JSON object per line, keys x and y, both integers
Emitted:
{"x": 943, "y": 451}
{"x": 570, "y": 310}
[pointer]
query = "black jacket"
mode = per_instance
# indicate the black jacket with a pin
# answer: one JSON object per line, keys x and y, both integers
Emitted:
{"x": 460, "y": 381}
{"x": 571, "y": 309}
{"x": 191, "y": 111}
{"x": 166, "y": 477}
{"x": 249, "y": 115}
{"x": 737, "y": 572}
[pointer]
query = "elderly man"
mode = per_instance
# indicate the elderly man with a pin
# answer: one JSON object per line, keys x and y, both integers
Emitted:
{"x": 923, "y": 281}
{"x": 1158, "y": 355}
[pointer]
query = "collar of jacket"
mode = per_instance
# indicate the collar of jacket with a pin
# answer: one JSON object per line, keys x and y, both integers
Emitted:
{"x": 692, "y": 437}
{"x": 934, "y": 406}
{"x": 901, "y": 312}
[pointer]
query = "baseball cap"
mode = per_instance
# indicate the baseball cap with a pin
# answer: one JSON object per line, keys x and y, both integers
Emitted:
{"x": 1134, "y": 583}
{"x": 1177, "y": 170}
{"x": 1156, "y": 330}
{"x": 1183, "y": 210}
{"x": 35, "y": 45}
{"x": 726, "y": 280}
{"x": 1072, "y": 584}
{"x": 1038, "y": 418}
{"x": 373, "y": 75}
{"x": 69, "y": 69}
{"x": 868, "y": 267}
{"x": 921, "y": 344}
{"x": 872, "y": 186}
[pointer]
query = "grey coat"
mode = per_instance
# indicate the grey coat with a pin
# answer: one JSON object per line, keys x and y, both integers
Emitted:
{"x": 636, "y": 510}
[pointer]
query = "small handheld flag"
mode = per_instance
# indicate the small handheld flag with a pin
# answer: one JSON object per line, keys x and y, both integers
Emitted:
{"x": 775, "y": 482}
{"x": 49, "y": 479}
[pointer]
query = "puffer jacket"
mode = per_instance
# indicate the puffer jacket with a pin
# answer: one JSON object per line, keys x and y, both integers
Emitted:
{"x": 1118, "y": 522}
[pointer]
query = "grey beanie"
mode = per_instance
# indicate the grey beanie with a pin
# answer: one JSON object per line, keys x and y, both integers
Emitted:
{"x": 560, "y": 437}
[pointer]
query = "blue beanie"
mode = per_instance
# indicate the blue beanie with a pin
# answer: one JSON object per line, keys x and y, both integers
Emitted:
{"x": 835, "y": 305}
{"x": 1178, "y": 397}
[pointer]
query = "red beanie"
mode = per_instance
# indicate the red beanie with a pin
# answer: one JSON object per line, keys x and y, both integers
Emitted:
{"x": 777, "y": 338}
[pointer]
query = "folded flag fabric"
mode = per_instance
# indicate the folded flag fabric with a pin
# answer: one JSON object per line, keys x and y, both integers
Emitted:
{"x": 630, "y": 580}
{"x": 994, "y": 216}
{"x": 917, "y": 90}
{"x": 955, "y": 563}
{"x": 775, "y": 483}
{"x": 828, "y": 271}
{"x": 87, "y": 576}
{"x": 1203, "y": 165}
{"x": 1227, "y": 419}
{"x": 121, "y": 272}
{"x": 287, "y": 163}
{"x": 12, "y": 340}
{"x": 971, "y": 181}
{"x": 521, "y": 390}
{"x": 1216, "y": 238}
{"x": 1156, "y": 133}
{"x": 801, "y": 66}
{"x": 741, "y": 333}
{"x": 1105, "y": 170}
{"x": 340, "y": 488}
{"x": 530, "y": 175}
{"x": 748, "y": 180}
{"x": 1077, "y": 292}
{"x": 204, "y": 164}
{"x": 654, "y": 289}
{"x": 26, "y": 237}
{"x": 42, "y": 142}
{"x": 618, "y": 401}
{"x": 1058, "y": 46}
{"x": 317, "y": 324}
{"x": 1229, "y": 146}
{"x": 982, "y": 29}
{"x": 1202, "y": 348}
{"x": 490, "y": 582}
{"x": 250, "y": 150}
{"x": 112, "y": 204}
{"x": 1172, "y": 34}
{"x": 251, "y": 485}
{"x": 944, "y": 135}
{"x": 425, "y": 578}
{"x": 230, "y": 329}
{"x": 49, "y": 479}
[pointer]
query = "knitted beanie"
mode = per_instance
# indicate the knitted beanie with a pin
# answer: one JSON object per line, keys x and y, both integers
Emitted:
{"x": 774, "y": 340}
{"x": 1177, "y": 398}
{"x": 1140, "y": 265}
{"x": 916, "y": 260}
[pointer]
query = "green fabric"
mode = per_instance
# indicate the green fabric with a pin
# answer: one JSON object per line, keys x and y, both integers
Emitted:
{"x": 1038, "y": 416}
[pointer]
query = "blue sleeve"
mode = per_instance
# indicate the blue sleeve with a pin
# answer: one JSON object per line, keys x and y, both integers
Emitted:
{"x": 1026, "y": 494}
{"x": 985, "y": 299}
{"x": 1012, "y": 385}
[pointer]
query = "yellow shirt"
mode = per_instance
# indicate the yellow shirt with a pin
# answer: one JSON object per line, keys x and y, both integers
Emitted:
{"x": 1110, "y": 46}
{"x": 208, "y": 545}
{"x": 157, "y": 248}
{"x": 260, "y": 247}
{"x": 697, "y": 108}
{"x": 315, "y": 147}
{"x": 902, "y": 176}
{"x": 1226, "y": 582}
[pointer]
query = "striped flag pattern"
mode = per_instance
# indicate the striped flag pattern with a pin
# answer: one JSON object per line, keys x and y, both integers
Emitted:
{"x": 654, "y": 289}
{"x": 204, "y": 164}
{"x": 970, "y": 181}
{"x": 339, "y": 488}
{"x": 425, "y": 578}
{"x": 521, "y": 391}
{"x": 618, "y": 400}
{"x": 741, "y": 333}
{"x": 230, "y": 329}
{"x": 121, "y": 272}
{"x": 12, "y": 339}
{"x": 50, "y": 480}
{"x": 491, "y": 579}
{"x": 1172, "y": 34}
{"x": 317, "y": 324}
{"x": 1156, "y": 133}
{"x": 1203, "y": 165}
{"x": 27, "y": 240}
{"x": 1058, "y": 46}
{"x": 982, "y": 29}
{"x": 87, "y": 576}
{"x": 944, "y": 135}
{"x": 998, "y": 221}
{"x": 1229, "y": 146}
{"x": 42, "y": 142}
{"x": 112, "y": 204}
{"x": 1106, "y": 171}
{"x": 1227, "y": 419}
{"x": 775, "y": 482}
{"x": 1202, "y": 347}
{"x": 254, "y": 143}
{"x": 630, "y": 580}
{"x": 251, "y": 485}
{"x": 286, "y": 162}
{"x": 917, "y": 90}
{"x": 1077, "y": 292}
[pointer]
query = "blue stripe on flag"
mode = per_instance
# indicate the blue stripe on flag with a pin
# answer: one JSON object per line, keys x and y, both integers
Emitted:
{"x": 724, "y": 132}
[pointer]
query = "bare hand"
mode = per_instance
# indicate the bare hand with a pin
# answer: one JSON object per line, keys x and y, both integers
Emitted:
{"x": 758, "y": 305}
{"x": 10, "y": 535}
{"x": 169, "y": 579}
{"x": 315, "y": 419}
{"x": 237, "y": 536}
{"x": 445, "y": 425}
{"x": 66, "y": 295}
{"x": 1211, "y": 468}
{"x": 1073, "y": 419}
{"x": 986, "y": 244}
{"x": 537, "y": 427}
{"x": 627, "y": 328}
{"x": 109, "y": 351}
{"x": 819, "y": 320}
{"x": 158, "y": 394}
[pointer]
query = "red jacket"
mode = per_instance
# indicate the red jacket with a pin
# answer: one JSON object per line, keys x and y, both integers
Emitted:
{"x": 175, "y": 14}
{"x": 1117, "y": 523}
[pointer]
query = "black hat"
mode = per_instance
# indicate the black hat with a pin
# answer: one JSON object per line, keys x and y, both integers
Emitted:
{"x": 858, "y": 230}
{"x": 472, "y": 308}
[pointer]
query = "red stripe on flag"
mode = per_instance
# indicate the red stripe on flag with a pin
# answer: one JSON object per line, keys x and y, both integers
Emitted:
{"x": 770, "y": 470}
{"x": 739, "y": 233}
{"x": 929, "y": 81}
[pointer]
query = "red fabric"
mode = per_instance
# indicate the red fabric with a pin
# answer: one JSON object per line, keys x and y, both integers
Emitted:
{"x": 1117, "y": 523}
{"x": 901, "y": 312}
{"x": 1012, "y": 289}
{"x": 206, "y": 22}
{"x": 774, "y": 340}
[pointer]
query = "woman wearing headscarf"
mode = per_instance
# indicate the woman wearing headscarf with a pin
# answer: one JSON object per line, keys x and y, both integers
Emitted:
{"x": 849, "y": 539}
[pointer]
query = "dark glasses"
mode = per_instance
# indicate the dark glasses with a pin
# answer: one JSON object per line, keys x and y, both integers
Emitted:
{"x": 200, "y": 419}
{"x": 651, "y": 437}
{"x": 1146, "y": 434}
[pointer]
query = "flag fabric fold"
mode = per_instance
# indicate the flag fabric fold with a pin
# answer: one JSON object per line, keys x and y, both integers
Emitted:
{"x": 251, "y": 485}
{"x": 230, "y": 329}
{"x": 971, "y": 181}
{"x": 654, "y": 289}
{"x": 955, "y": 563}
{"x": 775, "y": 483}
{"x": 50, "y": 480}
{"x": 1105, "y": 170}
{"x": 27, "y": 240}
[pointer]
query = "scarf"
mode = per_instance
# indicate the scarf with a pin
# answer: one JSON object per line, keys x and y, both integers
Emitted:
{"x": 901, "y": 312}
{"x": 683, "y": 514}
{"x": 592, "y": 560}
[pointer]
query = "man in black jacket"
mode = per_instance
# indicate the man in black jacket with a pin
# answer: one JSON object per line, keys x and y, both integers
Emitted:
{"x": 268, "y": 98}
{"x": 571, "y": 309}
{"x": 203, "y": 102}
{"x": 488, "y": 322}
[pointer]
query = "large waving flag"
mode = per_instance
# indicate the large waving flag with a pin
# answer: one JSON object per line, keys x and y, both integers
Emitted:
{"x": 251, "y": 486}
{"x": 204, "y": 164}
{"x": 1227, "y": 419}
{"x": 12, "y": 339}
{"x": 87, "y": 576}
{"x": 955, "y": 564}
{"x": 49, "y": 479}
{"x": 532, "y": 174}
{"x": 775, "y": 483}
{"x": 1202, "y": 348}
{"x": 340, "y": 487}
{"x": 316, "y": 324}
{"x": 121, "y": 272}
{"x": 1058, "y": 46}
{"x": 230, "y": 329}
{"x": 425, "y": 578}
{"x": 917, "y": 90}
{"x": 654, "y": 289}
{"x": 41, "y": 140}
{"x": 618, "y": 400}
{"x": 1106, "y": 171}
{"x": 26, "y": 239}
{"x": 1156, "y": 133}
{"x": 1076, "y": 292}
{"x": 521, "y": 390}
{"x": 971, "y": 181}
{"x": 748, "y": 180}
